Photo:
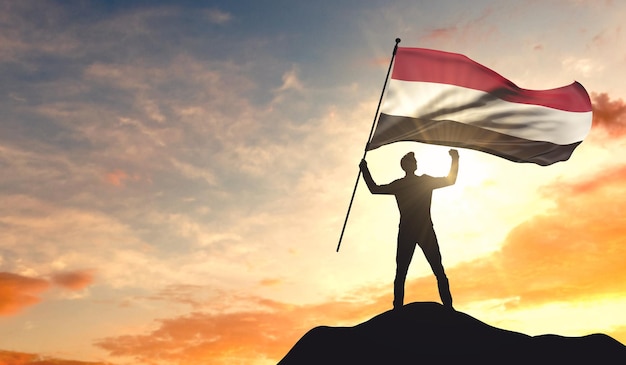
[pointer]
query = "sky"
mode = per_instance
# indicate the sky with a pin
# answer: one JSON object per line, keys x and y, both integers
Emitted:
{"x": 175, "y": 176}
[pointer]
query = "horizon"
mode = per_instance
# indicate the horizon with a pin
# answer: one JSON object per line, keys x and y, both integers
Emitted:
{"x": 176, "y": 176}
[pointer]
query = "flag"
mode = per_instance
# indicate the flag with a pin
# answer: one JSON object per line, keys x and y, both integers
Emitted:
{"x": 447, "y": 99}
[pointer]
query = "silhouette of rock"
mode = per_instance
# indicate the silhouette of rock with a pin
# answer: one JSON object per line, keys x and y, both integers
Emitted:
{"x": 430, "y": 333}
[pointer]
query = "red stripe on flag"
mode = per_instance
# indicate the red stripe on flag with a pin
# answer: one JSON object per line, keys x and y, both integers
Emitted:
{"x": 425, "y": 65}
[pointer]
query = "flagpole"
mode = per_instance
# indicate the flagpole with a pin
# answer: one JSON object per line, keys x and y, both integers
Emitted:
{"x": 358, "y": 176}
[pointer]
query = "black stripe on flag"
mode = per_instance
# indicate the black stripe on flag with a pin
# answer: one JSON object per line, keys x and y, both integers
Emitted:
{"x": 449, "y": 133}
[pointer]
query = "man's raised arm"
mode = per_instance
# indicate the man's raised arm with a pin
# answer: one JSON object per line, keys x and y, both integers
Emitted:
{"x": 454, "y": 166}
{"x": 371, "y": 185}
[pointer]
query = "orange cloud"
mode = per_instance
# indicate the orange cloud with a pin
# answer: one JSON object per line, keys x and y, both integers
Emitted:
{"x": 462, "y": 31}
{"x": 182, "y": 294}
{"x": 73, "y": 280}
{"x": 22, "y": 358}
{"x": 602, "y": 180}
{"x": 267, "y": 332}
{"x": 270, "y": 282}
{"x": 116, "y": 178}
{"x": 609, "y": 115}
{"x": 380, "y": 61}
{"x": 440, "y": 34}
{"x": 18, "y": 292}
{"x": 119, "y": 178}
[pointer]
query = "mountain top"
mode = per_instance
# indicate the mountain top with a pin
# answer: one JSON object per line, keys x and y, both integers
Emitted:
{"x": 429, "y": 332}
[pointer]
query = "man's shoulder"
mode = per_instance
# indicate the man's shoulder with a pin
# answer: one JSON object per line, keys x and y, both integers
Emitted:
{"x": 397, "y": 184}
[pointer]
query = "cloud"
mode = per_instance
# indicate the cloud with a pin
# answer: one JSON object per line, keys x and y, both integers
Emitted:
{"x": 40, "y": 238}
{"x": 291, "y": 84}
{"x": 463, "y": 30}
{"x": 586, "y": 67}
{"x": 217, "y": 16}
{"x": 17, "y": 39}
{"x": 198, "y": 297}
{"x": 18, "y": 292}
{"x": 23, "y": 358}
{"x": 73, "y": 280}
{"x": 270, "y": 281}
{"x": 263, "y": 334}
{"x": 194, "y": 172}
{"x": 291, "y": 81}
{"x": 609, "y": 115}
{"x": 442, "y": 34}
{"x": 607, "y": 37}
{"x": 116, "y": 177}
{"x": 601, "y": 181}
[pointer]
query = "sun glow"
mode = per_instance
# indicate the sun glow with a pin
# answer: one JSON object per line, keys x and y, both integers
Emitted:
{"x": 474, "y": 170}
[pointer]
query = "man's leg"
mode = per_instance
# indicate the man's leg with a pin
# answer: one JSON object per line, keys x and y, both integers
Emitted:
{"x": 404, "y": 254}
{"x": 430, "y": 246}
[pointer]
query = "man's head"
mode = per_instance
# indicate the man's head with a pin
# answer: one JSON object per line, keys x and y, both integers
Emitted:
{"x": 409, "y": 163}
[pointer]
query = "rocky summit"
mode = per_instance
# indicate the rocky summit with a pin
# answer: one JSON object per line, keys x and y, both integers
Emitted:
{"x": 429, "y": 333}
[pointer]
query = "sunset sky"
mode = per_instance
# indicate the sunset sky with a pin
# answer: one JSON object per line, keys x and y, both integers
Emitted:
{"x": 175, "y": 176}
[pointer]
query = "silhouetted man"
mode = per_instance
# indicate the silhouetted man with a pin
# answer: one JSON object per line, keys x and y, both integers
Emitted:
{"x": 414, "y": 194}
